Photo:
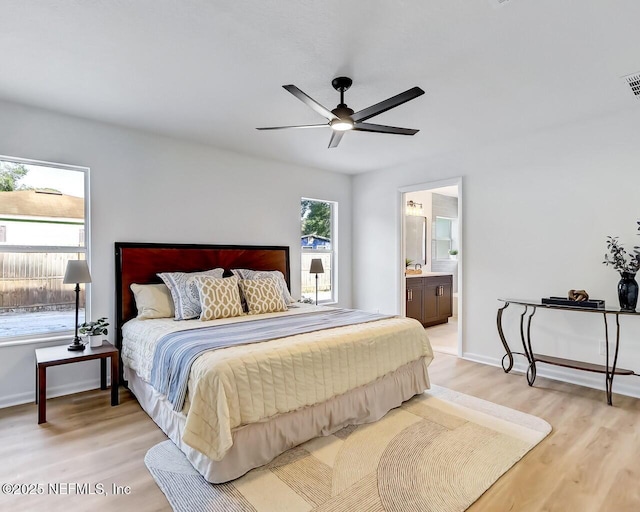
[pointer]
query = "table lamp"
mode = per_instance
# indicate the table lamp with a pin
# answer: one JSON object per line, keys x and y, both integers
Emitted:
{"x": 316, "y": 268}
{"x": 77, "y": 272}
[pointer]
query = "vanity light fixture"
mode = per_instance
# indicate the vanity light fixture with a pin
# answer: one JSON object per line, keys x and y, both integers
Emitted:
{"x": 414, "y": 208}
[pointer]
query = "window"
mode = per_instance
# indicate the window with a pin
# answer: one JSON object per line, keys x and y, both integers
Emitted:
{"x": 445, "y": 238}
{"x": 318, "y": 220}
{"x": 43, "y": 212}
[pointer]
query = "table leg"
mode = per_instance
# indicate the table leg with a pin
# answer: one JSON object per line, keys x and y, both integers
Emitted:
{"x": 42, "y": 394}
{"x": 507, "y": 349}
{"x": 103, "y": 373}
{"x": 611, "y": 372}
{"x": 115, "y": 380}
{"x": 526, "y": 344}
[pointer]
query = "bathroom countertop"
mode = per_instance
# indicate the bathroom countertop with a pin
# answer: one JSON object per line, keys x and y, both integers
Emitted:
{"x": 428, "y": 274}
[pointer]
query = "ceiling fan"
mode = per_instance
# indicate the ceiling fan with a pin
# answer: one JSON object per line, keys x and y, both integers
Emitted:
{"x": 342, "y": 118}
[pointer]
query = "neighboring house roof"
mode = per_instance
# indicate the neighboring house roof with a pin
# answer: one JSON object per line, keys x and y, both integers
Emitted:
{"x": 33, "y": 203}
{"x": 317, "y": 237}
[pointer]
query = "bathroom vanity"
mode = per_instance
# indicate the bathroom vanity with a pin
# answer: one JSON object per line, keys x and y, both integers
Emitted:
{"x": 430, "y": 297}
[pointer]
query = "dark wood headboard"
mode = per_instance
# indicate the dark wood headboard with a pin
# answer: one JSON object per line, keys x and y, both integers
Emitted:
{"x": 140, "y": 262}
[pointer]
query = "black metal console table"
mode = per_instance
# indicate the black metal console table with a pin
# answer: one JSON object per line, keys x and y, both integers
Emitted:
{"x": 609, "y": 369}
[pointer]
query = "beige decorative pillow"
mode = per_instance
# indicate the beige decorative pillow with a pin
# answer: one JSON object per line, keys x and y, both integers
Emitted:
{"x": 219, "y": 298}
{"x": 153, "y": 301}
{"x": 263, "y": 296}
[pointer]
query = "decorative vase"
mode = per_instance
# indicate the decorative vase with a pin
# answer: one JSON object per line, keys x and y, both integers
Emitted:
{"x": 96, "y": 340}
{"x": 628, "y": 291}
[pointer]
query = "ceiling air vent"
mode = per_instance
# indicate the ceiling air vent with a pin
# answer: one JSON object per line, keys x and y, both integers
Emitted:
{"x": 634, "y": 83}
{"x": 499, "y": 3}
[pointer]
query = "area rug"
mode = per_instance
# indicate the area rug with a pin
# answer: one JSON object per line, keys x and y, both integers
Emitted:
{"x": 438, "y": 452}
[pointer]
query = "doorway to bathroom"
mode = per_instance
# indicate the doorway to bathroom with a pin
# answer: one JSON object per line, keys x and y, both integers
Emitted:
{"x": 431, "y": 250}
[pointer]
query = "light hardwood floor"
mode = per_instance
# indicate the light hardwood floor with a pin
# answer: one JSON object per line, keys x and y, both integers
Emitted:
{"x": 590, "y": 462}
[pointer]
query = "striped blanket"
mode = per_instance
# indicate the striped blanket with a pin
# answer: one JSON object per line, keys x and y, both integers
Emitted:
{"x": 176, "y": 352}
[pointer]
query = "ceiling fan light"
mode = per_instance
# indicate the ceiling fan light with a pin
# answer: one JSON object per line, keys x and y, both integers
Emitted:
{"x": 342, "y": 125}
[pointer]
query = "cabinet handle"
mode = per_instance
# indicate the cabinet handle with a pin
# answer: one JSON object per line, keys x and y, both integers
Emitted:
{"x": 410, "y": 292}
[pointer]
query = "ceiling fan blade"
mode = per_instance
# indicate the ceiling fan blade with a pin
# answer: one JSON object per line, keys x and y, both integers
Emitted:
{"x": 310, "y": 102}
{"x": 380, "y": 128}
{"x": 336, "y": 137}
{"x": 298, "y": 126}
{"x": 387, "y": 104}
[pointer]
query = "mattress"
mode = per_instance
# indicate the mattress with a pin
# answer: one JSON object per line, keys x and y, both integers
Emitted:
{"x": 243, "y": 385}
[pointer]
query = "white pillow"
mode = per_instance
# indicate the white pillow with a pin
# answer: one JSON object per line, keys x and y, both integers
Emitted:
{"x": 153, "y": 301}
{"x": 184, "y": 291}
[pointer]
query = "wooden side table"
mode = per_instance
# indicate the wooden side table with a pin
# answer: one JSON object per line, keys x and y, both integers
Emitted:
{"x": 55, "y": 356}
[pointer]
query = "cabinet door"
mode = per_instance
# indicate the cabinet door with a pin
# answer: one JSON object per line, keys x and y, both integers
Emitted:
{"x": 430, "y": 302}
{"x": 414, "y": 298}
{"x": 445, "y": 301}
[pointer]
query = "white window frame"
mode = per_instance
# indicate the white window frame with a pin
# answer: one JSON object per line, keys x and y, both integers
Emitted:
{"x": 54, "y": 335}
{"x": 333, "y": 251}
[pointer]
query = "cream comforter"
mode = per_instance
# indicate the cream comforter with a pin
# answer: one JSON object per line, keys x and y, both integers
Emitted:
{"x": 246, "y": 384}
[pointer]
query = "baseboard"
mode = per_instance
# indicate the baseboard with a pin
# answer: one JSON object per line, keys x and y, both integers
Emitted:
{"x": 52, "y": 392}
{"x": 621, "y": 384}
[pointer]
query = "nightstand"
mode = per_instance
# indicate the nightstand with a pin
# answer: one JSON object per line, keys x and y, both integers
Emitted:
{"x": 55, "y": 356}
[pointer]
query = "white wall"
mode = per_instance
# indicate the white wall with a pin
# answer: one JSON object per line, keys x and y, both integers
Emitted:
{"x": 536, "y": 215}
{"x": 150, "y": 188}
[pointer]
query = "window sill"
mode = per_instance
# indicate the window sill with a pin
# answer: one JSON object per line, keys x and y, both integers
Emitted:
{"x": 36, "y": 340}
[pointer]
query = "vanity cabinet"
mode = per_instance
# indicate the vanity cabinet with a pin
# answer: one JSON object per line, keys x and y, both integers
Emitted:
{"x": 430, "y": 299}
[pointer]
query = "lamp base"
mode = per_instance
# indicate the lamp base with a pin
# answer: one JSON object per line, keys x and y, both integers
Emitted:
{"x": 76, "y": 346}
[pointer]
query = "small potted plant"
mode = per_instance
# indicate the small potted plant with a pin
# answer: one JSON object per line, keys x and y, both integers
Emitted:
{"x": 453, "y": 254}
{"x": 95, "y": 331}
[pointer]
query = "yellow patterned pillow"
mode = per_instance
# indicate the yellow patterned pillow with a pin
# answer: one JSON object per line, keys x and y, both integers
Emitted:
{"x": 220, "y": 298}
{"x": 263, "y": 296}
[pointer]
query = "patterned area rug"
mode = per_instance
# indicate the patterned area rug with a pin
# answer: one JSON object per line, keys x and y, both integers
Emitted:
{"x": 438, "y": 452}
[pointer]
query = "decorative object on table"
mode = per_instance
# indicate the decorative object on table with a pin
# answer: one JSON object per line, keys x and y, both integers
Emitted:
{"x": 453, "y": 254}
{"x": 627, "y": 265}
{"x": 77, "y": 272}
{"x": 95, "y": 331}
{"x": 415, "y": 271}
{"x": 578, "y": 295}
{"x": 316, "y": 268}
{"x": 562, "y": 301}
{"x": 390, "y": 465}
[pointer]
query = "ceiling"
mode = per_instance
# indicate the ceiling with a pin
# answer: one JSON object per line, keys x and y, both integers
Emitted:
{"x": 212, "y": 71}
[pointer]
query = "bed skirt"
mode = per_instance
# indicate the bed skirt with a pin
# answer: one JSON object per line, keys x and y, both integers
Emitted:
{"x": 257, "y": 444}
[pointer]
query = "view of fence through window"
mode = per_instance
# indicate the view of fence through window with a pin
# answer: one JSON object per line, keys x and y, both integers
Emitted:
{"x": 42, "y": 227}
{"x": 317, "y": 219}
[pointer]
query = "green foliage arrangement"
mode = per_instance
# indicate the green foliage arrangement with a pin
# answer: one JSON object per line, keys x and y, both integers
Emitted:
{"x": 620, "y": 259}
{"x": 94, "y": 328}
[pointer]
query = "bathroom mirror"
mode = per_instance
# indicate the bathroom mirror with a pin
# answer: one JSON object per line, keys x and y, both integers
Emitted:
{"x": 415, "y": 228}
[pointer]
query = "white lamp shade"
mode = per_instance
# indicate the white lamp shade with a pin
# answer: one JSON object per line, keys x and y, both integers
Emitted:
{"x": 77, "y": 272}
{"x": 316, "y": 266}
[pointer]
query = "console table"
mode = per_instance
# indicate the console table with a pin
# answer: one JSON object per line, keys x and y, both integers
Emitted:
{"x": 530, "y": 308}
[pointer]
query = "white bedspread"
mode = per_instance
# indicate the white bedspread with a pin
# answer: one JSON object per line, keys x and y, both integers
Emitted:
{"x": 246, "y": 384}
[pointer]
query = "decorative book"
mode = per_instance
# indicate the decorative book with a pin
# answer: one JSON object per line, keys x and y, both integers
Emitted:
{"x": 562, "y": 301}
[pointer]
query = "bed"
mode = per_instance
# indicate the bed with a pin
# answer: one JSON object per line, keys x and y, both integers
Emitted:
{"x": 246, "y": 404}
